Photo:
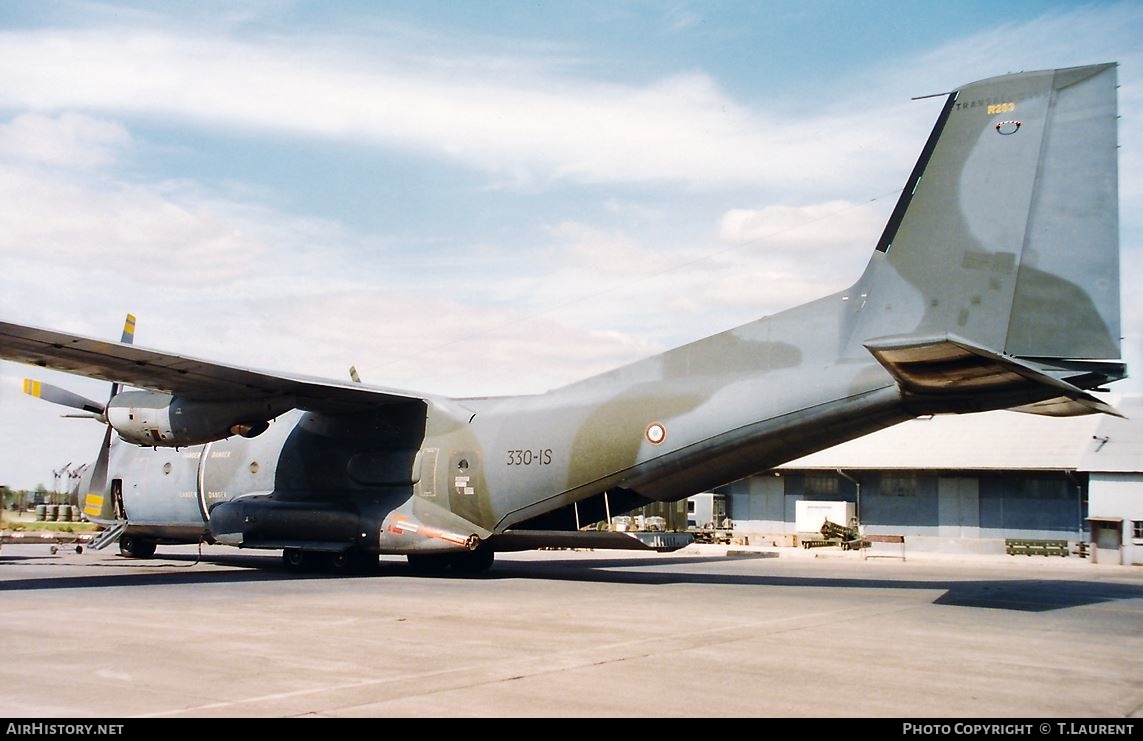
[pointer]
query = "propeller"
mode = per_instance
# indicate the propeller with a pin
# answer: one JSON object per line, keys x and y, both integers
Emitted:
{"x": 127, "y": 338}
{"x": 96, "y": 503}
{"x": 66, "y": 398}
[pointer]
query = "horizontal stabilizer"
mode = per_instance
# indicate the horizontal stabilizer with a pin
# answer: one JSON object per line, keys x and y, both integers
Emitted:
{"x": 948, "y": 366}
{"x": 1062, "y": 406}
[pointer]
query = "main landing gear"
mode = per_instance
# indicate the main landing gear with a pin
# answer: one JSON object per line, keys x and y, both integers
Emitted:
{"x": 344, "y": 562}
{"x": 461, "y": 563}
{"x": 132, "y": 546}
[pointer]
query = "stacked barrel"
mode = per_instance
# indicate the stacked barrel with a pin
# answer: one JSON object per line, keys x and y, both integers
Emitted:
{"x": 57, "y": 513}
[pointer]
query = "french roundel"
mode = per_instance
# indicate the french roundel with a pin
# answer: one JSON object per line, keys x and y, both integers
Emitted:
{"x": 1007, "y": 128}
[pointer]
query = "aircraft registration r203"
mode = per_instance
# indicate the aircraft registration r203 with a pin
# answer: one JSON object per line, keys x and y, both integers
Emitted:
{"x": 995, "y": 285}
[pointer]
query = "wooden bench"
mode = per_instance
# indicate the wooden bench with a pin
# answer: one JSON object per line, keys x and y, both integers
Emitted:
{"x": 869, "y": 539}
{"x": 1026, "y": 547}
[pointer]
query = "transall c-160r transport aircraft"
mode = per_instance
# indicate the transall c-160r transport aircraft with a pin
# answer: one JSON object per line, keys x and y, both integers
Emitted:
{"x": 995, "y": 285}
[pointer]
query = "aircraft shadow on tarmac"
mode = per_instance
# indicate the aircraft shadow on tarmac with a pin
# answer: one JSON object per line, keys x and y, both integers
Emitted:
{"x": 1024, "y": 595}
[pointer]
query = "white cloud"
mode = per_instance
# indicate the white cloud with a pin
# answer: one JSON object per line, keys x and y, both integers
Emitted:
{"x": 527, "y": 128}
{"x": 830, "y": 225}
{"x": 168, "y": 235}
{"x": 518, "y": 121}
{"x": 603, "y": 252}
{"x": 70, "y": 139}
{"x": 1089, "y": 34}
{"x": 435, "y": 344}
{"x": 243, "y": 283}
{"x": 772, "y": 289}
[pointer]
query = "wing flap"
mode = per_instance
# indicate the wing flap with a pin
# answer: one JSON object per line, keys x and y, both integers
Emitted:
{"x": 948, "y": 366}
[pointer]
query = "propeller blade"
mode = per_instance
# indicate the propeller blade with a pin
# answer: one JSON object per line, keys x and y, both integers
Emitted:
{"x": 128, "y": 338}
{"x": 128, "y": 330}
{"x": 56, "y": 395}
{"x": 353, "y": 374}
{"x": 97, "y": 502}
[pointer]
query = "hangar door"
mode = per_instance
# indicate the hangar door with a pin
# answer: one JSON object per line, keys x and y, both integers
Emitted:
{"x": 958, "y": 507}
{"x": 1107, "y": 539}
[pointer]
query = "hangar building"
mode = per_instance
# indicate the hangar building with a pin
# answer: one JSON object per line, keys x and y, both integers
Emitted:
{"x": 966, "y": 483}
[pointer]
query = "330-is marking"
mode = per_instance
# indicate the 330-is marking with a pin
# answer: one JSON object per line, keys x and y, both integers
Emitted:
{"x": 541, "y": 457}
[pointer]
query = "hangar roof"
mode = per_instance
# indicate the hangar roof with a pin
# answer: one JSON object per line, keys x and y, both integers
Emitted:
{"x": 997, "y": 441}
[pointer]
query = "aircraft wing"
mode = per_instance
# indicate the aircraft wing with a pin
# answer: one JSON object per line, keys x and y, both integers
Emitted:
{"x": 177, "y": 374}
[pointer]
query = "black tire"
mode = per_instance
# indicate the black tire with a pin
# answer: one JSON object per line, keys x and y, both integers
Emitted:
{"x": 351, "y": 562}
{"x": 464, "y": 563}
{"x": 132, "y": 546}
{"x": 295, "y": 559}
{"x": 474, "y": 562}
{"x": 135, "y": 547}
{"x": 428, "y": 563}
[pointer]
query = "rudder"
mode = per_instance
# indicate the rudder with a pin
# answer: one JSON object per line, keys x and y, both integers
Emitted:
{"x": 1067, "y": 293}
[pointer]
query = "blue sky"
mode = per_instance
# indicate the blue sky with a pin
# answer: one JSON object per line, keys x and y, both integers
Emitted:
{"x": 474, "y": 198}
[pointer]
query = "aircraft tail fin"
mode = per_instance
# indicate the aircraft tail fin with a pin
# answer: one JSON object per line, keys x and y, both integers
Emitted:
{"x": 1006, "y": 234}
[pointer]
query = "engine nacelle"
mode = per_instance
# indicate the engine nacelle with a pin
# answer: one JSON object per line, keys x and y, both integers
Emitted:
{"x": 155, "y": 419}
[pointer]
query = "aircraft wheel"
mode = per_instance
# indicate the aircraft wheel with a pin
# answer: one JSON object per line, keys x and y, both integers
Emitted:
{"x": 428, "y": 563}
{"x": 132, "y": 546}
{"x": 473, "y": 562}
{"x": 467, "y": 563}
{"x": 352, "y": 562}
{"x": 295, "y": 559}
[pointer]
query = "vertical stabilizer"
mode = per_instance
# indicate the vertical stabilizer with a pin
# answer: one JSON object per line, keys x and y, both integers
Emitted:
{"x": 1007, "y": 232}
{"x": 995, "y": 284}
